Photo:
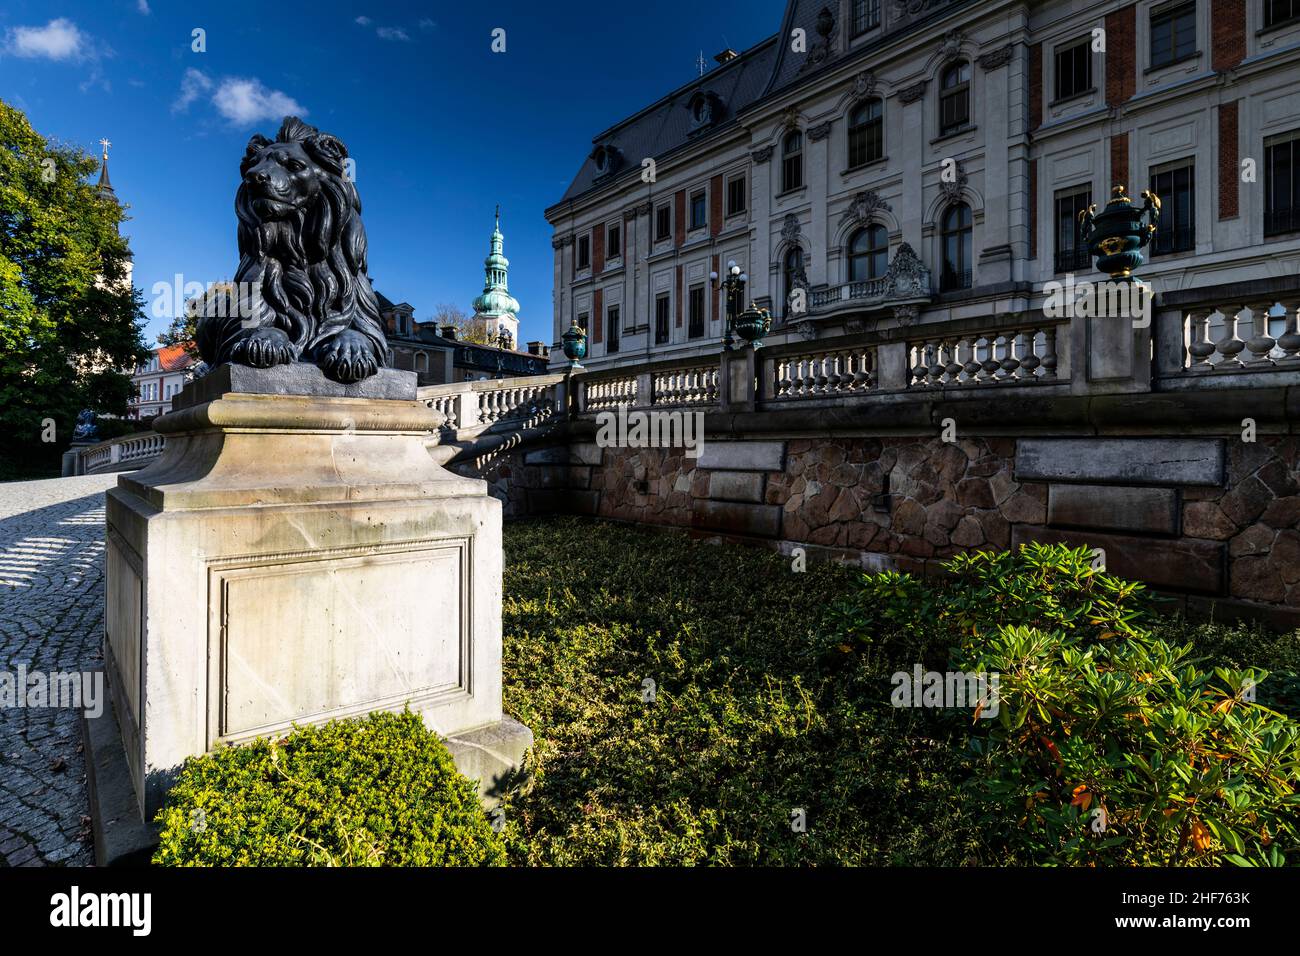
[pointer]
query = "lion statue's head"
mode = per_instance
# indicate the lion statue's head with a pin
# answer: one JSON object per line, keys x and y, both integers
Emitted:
{"x": 301, "y": 292}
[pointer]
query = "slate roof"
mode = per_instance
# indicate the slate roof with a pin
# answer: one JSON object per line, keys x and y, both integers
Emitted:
{"x": 662, "y": 127}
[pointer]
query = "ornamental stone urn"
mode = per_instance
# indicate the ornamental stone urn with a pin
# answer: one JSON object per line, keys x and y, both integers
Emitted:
{"x": 1116, "y": 234}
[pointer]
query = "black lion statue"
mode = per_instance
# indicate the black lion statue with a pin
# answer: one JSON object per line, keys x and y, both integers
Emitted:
{"x": 301, "y": 292}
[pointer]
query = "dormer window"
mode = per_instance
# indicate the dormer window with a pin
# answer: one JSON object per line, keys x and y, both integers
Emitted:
{"x": 705, "y": 108}
{"x": 606, "y": 159}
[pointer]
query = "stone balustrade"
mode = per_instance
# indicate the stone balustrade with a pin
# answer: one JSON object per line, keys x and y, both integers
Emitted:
{"x": 610, "y": 393}
{"x": 687, "y": 386}
{"x": 119, "y": 454}
{"x": 1022, "y": 355}
{"x": 825, "y": 373}
{"x": 518, "y": 402}
{"x": 1217, "y": 340}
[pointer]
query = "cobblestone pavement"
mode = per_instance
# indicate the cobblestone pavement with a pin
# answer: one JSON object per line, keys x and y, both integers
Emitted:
{"x": 51, "y": 619}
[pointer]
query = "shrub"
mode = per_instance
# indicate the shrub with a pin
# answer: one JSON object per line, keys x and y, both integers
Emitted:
{"x": 374, "y": 791}
{"x": 1111, "y": 745}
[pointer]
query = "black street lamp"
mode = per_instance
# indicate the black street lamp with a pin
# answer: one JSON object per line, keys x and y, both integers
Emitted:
{"x": 734, "y": 283}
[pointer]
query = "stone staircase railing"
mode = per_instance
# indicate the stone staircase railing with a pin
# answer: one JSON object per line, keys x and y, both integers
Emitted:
{"x": 508, "y": 404}
{"x": 126, "y": 453}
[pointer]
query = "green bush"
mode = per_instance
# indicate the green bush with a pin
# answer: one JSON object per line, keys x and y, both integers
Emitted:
{"x": 1111, "y": 746}
{"x": 375, "y": 791}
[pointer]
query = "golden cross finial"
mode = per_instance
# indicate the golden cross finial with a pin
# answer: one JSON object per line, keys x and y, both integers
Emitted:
{"x": 105, "y": 143}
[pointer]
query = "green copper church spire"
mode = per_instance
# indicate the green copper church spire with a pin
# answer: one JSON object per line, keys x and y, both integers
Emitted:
{"x": 496, "y": 301}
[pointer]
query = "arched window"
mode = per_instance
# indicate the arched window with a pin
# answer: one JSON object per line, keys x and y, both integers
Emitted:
{"x": 792, "y": 274}
{"x": 792, "y": 161}
{"x": 868, "y": 253}
{"x": 866, "y": 133}
{"x": 956, "y": 236}
{"x": 954, "y": 97}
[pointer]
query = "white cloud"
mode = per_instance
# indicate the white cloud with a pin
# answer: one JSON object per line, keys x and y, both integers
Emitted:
{"x": 143, "y": 6}
{"x": 392, "y": 33}
{"x": 363, "y": 21}
{"x": 427, "y": 24}
{"x": 193, "y": 85}
{"x": 57, "y": 40}
{"x": 246, "y": 101}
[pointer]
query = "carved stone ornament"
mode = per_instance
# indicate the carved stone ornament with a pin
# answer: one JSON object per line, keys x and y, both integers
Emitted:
{"x": 824, "y": 49}
{"x": 996, "y": 58}
{"x": 912, "y": 93}
{"x": 905, "y": 314}
{"x": 806, "y": 328}
{"x": 820, "y": 131}
{"x": 559, "y": 242}
{"x": 864, "y": 206}
{"x": 907, "y": 276}
{"x": 950, "y": 46}
{"x": 790, "y": 228}
{"x": 864, "y": 84}
{"x": 762, "y": 154}
{"x": 952, "y": 190}
{"x": 643, "y": 209}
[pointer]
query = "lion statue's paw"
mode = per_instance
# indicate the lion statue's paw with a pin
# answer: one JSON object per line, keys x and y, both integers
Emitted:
{"x": 348, "y": 357}
{"x": 263, "y": 348}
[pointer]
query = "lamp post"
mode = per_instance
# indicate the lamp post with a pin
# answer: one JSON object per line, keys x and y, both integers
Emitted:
{"x": 734, "y": 283}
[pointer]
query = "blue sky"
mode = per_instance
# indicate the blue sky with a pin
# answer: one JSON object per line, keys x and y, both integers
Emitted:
{"x": 441, "y": 127}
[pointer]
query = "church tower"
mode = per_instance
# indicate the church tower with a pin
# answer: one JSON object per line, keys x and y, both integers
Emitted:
{"x": 496, "y": 308}
{"x": 104, "y": 189}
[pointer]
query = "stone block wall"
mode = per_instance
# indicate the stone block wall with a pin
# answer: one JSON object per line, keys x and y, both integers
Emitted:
{"x": 1208, "y": 518}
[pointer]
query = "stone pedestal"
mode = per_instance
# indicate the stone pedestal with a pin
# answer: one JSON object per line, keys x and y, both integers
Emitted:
{"x": 293, "y": 558}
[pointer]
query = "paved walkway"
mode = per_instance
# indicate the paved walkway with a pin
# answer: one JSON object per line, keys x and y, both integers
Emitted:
{"x": 51, "y": 619}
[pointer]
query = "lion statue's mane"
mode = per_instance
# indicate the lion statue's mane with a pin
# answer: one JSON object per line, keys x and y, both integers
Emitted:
{"x": 302, "y": 266}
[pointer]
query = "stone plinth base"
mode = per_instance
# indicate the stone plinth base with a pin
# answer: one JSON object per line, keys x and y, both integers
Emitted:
{"x": 294, "y": 559}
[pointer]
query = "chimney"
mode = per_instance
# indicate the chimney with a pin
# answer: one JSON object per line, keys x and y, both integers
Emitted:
{"x": 539, "y": 348}
{"x": 725, "y": 55}
{"x": 448, "y": 332}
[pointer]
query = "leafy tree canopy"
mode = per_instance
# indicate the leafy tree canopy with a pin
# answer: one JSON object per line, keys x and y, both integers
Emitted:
{"x": 69, "y": 318}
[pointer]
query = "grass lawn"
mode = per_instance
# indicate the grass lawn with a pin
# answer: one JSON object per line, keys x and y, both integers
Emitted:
{"x": 756, "y": 713}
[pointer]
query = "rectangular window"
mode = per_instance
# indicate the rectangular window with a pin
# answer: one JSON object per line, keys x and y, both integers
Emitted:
{"x": 737, "y": 196}
{"x": 1073, "y": 70}
{"x": 954, "y": 98}
{"x": 1278, "y": 12}
{"x": 611, "y": 329}
{"x": 582, "y": 321}
{"x": 696, "y": 303}
{"x": 663, "y": 222}
{"x": 1175, "y": 187}
{"x": 613, "y": 241}
{"x": 1071, "y": 254}
{"x": 866, "y": 16}
{"x": 662, "y": 316}
{"x": 698, "y": 218}
{"x": 584, "y": 252}
{"x": 1282, "y": 184}
{"x": 1173, "y": 33}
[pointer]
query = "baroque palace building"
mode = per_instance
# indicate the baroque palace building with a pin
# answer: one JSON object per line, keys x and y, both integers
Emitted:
{"x": 912, "y": 161}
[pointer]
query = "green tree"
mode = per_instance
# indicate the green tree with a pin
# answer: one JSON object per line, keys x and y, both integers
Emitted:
{"x": 70, "y": 320}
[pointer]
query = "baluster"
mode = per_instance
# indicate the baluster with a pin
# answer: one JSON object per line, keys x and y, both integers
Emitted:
{"x": 1049, "y": 353}
{"x": 1289, "y": 340}
{"x": 1261, "y": 343}
{"x": 783, "y": 382}
{"x": 1231, "y": 344}
{"x": 971, "y": 367}
{"x": 1197, "y": 338}
{"x": 952, "y": 371}
{"x": 990, "y": 365}
{"x": 1029, "y": 364}
{"x": 1010, "y": 360}
{"x": 919, "y": 369}
{"x": 935, "y": 371}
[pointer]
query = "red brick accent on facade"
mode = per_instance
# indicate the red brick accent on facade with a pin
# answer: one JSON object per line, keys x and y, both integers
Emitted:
{"x": 1035, "y": 86}
{"x": 1119, "y": 166}
{"x": 598, "y": 249}
{"x": 598, "y": 315}
{"x": 678, "y": 295}
{"x": 715, "y": 205}
{"x": 716, "y": 269}
{"x": 679, "y": 219}
{"x": 1227, "y": 33}
{"x": 1229, "y": 181}
{"x": 1033, "y": 209}
{"x": 1121, "y": 55}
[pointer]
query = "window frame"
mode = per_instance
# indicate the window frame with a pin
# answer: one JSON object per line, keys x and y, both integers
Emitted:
{"x": 788, "y": 273}
{"x": 614, "y": 250}
{"x": 950, "y": 279}
{"x": 743, "y": 180}
{"x": 702, "y": 196}
{"x": 613, "y": 326}
{"x": 869, "y": 19}
{"x": 1273, "y": 211}
{"x": 1290, "y": 20}
{"x": 792, "y": 159}
{"x": 1169, "y": 215}
{"x": 1076, "y": 255}
{"x": 666, "y": 300}
{"x": 582, "y": 254}
{"x": 664, "y": 217}
{"x": 962, "y": 89}
{"x": 1067, "y": 48}
{"x": 1172, "y": 12}
{"x": 697, "y": 321}
{"x": 870, "y": 253}
{"x": 864, "y": 130}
